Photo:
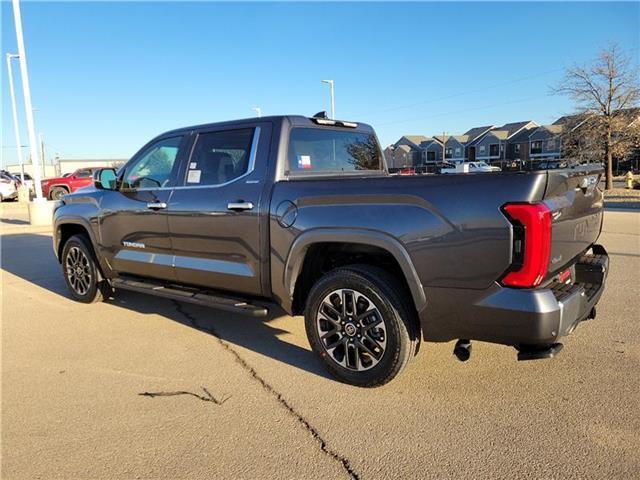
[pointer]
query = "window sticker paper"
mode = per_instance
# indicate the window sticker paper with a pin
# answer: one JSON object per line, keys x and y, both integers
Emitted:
{"x": 194, "y": 176}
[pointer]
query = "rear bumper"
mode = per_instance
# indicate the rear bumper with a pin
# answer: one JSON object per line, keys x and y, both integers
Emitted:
{"x": 518, "y": 317}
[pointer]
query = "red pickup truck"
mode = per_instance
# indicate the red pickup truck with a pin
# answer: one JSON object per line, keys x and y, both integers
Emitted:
{"x": 56, "y": 188}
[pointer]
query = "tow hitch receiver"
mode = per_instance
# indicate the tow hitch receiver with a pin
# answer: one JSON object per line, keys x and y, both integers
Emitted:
{"x": 538, "y": 352}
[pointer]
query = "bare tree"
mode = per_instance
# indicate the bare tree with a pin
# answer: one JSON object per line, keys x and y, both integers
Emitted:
{"x": 604, "y": 92}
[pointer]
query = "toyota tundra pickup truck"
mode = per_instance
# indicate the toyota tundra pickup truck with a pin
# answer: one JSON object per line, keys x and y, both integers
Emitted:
{"x": 302, "y": 213}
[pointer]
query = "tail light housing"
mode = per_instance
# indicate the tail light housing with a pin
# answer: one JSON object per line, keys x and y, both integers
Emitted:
{"x": 531, "y": 244}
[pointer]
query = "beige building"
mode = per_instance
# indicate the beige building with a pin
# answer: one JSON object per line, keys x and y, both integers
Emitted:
{"x": 67, "y": 165}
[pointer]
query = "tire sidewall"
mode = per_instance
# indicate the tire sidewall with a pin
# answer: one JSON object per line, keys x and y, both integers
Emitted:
{"x": 92, "y": 292}
{"x": 57, "y": 193}
{"x": 397, "y": 333}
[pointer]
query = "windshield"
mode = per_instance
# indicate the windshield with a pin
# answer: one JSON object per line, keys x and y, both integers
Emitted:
{"x": 318, "y": 150}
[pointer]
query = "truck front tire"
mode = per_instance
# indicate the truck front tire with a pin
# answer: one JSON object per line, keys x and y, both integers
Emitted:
{"x": 81, "y": 272}
{"x": 361, "y": 323}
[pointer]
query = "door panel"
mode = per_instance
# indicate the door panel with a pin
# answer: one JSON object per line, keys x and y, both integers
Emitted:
{"x": 134, "y": 231}
{"x": 134, "y": 237}
{"x": 214, "y": 218}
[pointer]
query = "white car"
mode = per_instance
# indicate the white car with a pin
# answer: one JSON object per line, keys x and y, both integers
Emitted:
{"x": 471, "y": 167}
{"x": 28, "y": 180}
{"x": 8, "y": 188}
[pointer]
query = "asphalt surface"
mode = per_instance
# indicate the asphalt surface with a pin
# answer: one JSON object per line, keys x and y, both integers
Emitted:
{"x": 245, "y": 398}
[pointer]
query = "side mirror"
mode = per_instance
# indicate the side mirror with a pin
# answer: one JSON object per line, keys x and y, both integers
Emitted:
{"x": 105, "y": 179}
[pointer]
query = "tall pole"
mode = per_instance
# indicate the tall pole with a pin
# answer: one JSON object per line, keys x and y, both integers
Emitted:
{"x": 33, "y": 143}
{"x": 44, "y": 170}
{"x": 333, "y": 100}
{"x": 444, "y": 146}
{"x": 258, "y": 111}
{"x": 14, "y": 109}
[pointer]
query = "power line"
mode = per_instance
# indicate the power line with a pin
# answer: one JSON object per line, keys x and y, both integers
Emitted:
{"x": 467, "y": 92}
{"x": 453, "y": 112}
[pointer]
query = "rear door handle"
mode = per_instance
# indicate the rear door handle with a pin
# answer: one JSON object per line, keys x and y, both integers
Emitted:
{"x": 239, "y": 206}
{"x": 156, "y": 205}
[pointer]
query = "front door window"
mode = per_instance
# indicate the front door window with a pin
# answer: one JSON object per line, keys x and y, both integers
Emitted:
{"x": 153, "y": 169}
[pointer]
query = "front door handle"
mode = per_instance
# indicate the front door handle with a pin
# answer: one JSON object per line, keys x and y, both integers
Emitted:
{"x": 156, "y": 205}
{"x": 239, "y": 206}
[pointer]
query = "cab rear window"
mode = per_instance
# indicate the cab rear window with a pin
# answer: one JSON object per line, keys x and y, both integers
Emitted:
{"x": 319, "y": 150}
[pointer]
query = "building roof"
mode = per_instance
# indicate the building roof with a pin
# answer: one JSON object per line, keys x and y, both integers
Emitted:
{"x": 557, "y": 129}
{"x": 515, "y": 127}
{"x": 404, "y": 148}
{"x": 441, "y": 138}
{"x": 415, "y": 139}
{"x": 92, "y": 160}
{"x": 462, "y": 138}
{"x": 476, "y": 132}
{"x": 500, "y": 134}
{"x": 523, "y": 135}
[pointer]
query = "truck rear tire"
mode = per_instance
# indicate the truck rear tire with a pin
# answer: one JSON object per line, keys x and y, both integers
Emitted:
{"x": 362, "y": 325}
{"x": 81, "y": 272}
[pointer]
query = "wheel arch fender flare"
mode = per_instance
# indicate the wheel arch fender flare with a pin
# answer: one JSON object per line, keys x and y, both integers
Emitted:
{"x": 300, "y": 246}
{"x": 60, "y": 222}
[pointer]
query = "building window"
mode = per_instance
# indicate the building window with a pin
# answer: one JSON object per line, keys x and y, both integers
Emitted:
{"x": 494, "y": 150}
{"x": 448, "y": 152}
{"x": 551, "y": 144}
{"x": 482, "y": 150}
{"x": 536, "y": 147}
{"x": 431, "y": 156}
{"x": 457, "y": 151}
{"x": 516, "y": 149}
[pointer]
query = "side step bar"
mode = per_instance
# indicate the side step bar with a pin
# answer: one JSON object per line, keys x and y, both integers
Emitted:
{"x": 190, "y": 296}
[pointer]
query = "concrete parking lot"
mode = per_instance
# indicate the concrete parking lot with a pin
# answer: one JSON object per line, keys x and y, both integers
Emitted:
{"x": 140, "y": 387}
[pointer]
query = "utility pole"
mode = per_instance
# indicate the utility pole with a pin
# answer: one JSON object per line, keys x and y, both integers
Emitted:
{"x": 444, "y": 146}
{"x": 14, "y": 109}
{"x": 333, "y": 102}
{"x": 44, "y": 170}
{"x": 258, "y": 111}
{"x": 33, "y": 144}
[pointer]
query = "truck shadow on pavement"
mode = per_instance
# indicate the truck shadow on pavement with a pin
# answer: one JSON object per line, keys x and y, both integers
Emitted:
{"x": 30, "y": 257}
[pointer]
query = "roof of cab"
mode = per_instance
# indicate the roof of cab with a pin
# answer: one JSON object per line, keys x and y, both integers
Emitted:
{"x": 294, "y": 120}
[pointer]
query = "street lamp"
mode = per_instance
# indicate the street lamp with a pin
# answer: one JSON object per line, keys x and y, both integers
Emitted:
{"x": 333, "y": 103}
{"x": 14, "y": 109}
{"x": 258, "y": 111}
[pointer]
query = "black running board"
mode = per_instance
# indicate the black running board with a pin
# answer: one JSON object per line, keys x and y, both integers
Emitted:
{"x": 190, "y": 296}
{"x": 539, "y": 353}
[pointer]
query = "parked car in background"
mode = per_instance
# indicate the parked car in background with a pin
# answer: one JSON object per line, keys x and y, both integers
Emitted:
{"x": 56, "y": 188}
{"x": 8, "y": 186}
{"x": 301, "y": 212}
{"x": 549, "y": 165}
{"x": 28, "y": 180}
{"x": 470, "y": 167}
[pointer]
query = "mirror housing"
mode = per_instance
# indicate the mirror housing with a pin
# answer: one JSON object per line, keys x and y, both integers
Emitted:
{"x": 105, "y": 179}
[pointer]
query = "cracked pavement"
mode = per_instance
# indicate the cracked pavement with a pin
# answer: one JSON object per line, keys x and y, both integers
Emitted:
{"x": 141, "y": 387}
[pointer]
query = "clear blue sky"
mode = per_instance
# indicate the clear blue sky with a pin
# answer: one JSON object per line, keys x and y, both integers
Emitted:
{"x": 106, "y": 77}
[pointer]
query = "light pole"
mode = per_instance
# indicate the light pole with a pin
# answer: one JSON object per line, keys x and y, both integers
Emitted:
{"x": 14, "y": 109}
{"x": 33, "y": 143}
{"x": 333, "y": 102}
{"x": 258, "y": 111}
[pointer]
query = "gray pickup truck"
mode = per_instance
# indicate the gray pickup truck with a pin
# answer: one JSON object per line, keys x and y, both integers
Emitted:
{"x": 301, "y": 212}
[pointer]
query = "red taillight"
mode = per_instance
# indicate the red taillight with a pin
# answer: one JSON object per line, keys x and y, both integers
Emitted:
{"x": 532, "y": 245}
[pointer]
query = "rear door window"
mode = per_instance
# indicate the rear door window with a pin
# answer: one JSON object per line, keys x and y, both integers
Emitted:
{"x": 220, "y": 157}
{"x": 317, "y": 150}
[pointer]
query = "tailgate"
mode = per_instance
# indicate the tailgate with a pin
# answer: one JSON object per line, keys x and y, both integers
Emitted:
{"x": 576, "y": 205}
